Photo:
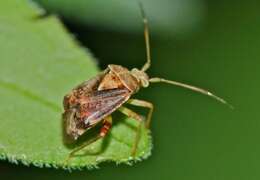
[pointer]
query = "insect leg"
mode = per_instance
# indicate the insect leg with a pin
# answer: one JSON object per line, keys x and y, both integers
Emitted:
{"x": 146, "y": 104}
{"x": 134, "y": 115}
{"x": 106, "y": 126}
{"x": 130, "y": 113}
{"x": 103, "y": 132}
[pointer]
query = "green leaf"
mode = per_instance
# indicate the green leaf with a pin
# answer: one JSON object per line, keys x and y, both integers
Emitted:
{"x": 39, "y": 63}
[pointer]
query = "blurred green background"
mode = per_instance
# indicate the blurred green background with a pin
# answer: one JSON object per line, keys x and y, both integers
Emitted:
{"x": 214, "y": 45}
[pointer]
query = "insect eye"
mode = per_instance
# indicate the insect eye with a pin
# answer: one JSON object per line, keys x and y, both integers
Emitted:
{"x": 144, "y": 83}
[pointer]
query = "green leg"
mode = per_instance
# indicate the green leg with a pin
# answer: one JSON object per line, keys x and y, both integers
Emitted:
{"x": 107, "y": 123}
{"x": 141, "y": 103}
{"x": 134, "y": 115}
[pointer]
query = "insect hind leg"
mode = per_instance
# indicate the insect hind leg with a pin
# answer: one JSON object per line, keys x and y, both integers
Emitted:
{"x": 134, "y": 115}
{"x": 103, "y": 132}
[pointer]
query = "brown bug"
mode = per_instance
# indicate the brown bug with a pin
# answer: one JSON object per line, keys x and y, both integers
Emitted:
{"x": 93, "y": 101}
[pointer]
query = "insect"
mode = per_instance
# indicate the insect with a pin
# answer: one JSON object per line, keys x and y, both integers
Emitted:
{"x": 93, "y": 101}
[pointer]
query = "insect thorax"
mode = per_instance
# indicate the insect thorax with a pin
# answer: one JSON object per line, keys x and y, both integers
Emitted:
{"x": 120, "y": 77}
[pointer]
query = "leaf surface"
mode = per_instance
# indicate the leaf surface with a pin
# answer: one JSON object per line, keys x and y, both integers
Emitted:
{"x": 39, "y": 63}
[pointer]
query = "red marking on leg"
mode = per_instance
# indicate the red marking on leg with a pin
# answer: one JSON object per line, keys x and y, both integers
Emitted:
{"x": 106, "y": 127}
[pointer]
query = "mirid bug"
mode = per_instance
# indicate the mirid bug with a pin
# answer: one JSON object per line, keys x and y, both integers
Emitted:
{"x": 93, "y": 101}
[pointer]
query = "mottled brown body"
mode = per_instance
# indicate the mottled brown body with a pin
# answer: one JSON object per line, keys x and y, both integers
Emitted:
{"x": 97, "y": 98}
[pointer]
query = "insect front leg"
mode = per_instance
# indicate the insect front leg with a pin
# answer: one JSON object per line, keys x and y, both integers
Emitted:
{"x": 146, "y": 104}
{"x": 107, "y": 123}
{"x": 134, "y": 115}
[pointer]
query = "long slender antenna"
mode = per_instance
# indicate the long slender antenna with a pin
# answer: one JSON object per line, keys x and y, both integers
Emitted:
{"x": 193, "y": 88}
{"x": 146, "y": 37}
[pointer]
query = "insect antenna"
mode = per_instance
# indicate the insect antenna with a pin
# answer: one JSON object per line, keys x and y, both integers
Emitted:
{"x": 146, "y": 37}
{"x": 156, "y": 79}
{"x": 193, "y": 88}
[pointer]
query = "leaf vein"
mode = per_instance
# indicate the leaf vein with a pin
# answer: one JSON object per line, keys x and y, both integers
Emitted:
{"x": 29, "y": 95}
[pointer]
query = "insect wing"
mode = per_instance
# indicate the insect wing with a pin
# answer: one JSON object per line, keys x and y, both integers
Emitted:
{"x": 101, "y": 103}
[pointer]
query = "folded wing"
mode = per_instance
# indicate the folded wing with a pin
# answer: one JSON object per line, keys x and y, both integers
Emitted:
{"x": 98, "y": 104}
